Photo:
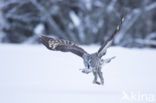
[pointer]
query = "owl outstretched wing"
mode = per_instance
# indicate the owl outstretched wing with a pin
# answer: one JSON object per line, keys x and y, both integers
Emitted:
{"x": 108, "y": 43}
{"x": 62, "y": 45}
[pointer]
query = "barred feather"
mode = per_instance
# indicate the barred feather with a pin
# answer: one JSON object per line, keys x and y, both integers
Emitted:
{"x": 108, "y": 43}
{"x": 62, "y": 45}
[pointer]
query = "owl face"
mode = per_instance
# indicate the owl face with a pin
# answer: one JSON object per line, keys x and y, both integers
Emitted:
{"x": 87, "y": 61}
{"x": 87, "y": 64}
{"x": 91, "y": 62}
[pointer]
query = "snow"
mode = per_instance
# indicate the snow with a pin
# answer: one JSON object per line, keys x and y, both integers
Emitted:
{"x": 111, "y": 6}
{"x": 88, "y": 4}
{"x": 33, "y": 74}
{"x": 148, "y": 40}
{"x": 150, "y": 7}
{"x": 75, "y": 19}
{"x": 39, "y": 29}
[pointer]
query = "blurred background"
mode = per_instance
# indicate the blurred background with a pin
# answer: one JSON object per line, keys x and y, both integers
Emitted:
{"x": 82, "y": 21}
{"x": 30, "y": 73}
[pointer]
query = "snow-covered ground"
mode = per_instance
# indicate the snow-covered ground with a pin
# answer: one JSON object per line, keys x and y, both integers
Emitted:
{"x": 33, "y": 74}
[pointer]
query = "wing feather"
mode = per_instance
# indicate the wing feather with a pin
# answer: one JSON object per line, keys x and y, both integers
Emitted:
{"x": 62, "y": 45}
{"x": 108, "y": 43}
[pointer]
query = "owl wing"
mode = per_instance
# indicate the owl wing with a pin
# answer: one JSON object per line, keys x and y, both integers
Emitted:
{"x": 62, "y": 45}
{"x": 108, "y": 43}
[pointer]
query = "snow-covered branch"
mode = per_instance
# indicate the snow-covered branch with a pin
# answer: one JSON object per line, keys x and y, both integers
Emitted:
{"x": 150, "y": 7}
{"x": 146, "y": 42}
{"x": 82, "y": 21}
{"x": 49, "y": 19}
{"x": 131, "y": 18}
{"x": 150, "y": 40}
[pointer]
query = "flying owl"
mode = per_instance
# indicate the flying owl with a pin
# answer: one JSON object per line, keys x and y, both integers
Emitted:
{"x": 92, "y": 62}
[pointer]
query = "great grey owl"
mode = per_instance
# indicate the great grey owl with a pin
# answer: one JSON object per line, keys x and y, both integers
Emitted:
{"x": 92, "y": 62}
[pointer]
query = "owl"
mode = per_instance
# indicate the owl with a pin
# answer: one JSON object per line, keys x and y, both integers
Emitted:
{"x": 92, "y": 62}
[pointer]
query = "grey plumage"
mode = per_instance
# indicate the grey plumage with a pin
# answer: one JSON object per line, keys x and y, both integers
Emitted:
{"x": 93, "y": 62}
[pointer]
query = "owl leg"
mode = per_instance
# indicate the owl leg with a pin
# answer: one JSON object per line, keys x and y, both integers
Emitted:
{"x": 95, "y": 78}
{"x": 100, "y": 74}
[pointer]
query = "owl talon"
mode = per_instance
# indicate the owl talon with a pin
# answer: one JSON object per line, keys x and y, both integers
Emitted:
{"x": 96, "y": 82}
{"x": 86, "y": 71}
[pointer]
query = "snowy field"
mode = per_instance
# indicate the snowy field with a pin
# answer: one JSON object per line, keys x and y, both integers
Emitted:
{"x": 33, "y": 74}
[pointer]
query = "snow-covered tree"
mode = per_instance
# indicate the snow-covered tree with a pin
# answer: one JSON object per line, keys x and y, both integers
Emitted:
{"x": 82, "y": 21}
